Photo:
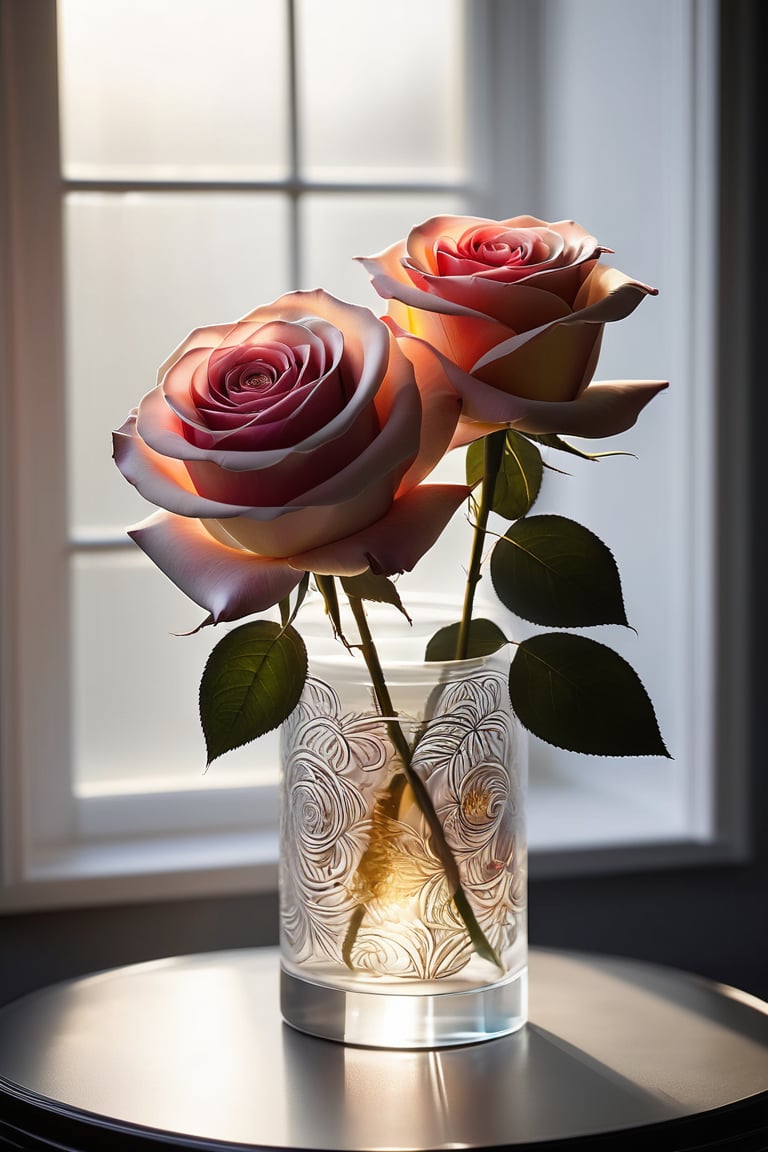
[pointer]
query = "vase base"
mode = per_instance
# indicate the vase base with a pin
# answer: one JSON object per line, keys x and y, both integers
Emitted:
{"x": 395, "y": 1020}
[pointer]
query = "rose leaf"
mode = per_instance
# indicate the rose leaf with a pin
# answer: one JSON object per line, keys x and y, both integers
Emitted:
{"x": 485, "y": 637}
{"x": 370, "y": 586}
{"x": 582, "y": 696}
{"x": 519, "y": 477}
{"x": 551, "y": 570}
{"x": 251, "y": 683}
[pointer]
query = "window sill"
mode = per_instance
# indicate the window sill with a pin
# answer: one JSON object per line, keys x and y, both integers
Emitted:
{"x": 146, "y": 868}
{"x": 567, "y": 829}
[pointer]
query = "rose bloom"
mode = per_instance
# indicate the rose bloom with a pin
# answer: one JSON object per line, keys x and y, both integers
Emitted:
{"x": 293, "y": 440}
{"x": 516, "y": 310}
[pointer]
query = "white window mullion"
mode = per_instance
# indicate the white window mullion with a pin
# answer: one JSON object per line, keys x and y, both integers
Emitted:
{"x": 294, "y": 145}
{"x": 505, "y": 101}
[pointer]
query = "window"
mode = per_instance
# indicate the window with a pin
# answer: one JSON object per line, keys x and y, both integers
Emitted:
{"x": 177, "y": 163}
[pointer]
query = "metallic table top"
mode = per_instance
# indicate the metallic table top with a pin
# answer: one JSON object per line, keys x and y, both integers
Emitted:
{"x": 194, "y": 1047}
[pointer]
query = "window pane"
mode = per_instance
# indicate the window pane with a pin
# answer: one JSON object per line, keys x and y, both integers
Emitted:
{"x": 185, "y": 88}
{"x": 381, "y": 92}
{"x": 136, "y": 683}
{"x": 142, "y": 270}
{"x": 338, "y": 227}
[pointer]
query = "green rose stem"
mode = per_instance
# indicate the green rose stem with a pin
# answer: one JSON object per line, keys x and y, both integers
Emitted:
{"x": 493, "y": 454}
{"x": 389, "y": 806}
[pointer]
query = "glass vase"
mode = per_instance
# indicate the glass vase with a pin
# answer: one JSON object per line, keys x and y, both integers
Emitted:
{"x": 403, "y": 887}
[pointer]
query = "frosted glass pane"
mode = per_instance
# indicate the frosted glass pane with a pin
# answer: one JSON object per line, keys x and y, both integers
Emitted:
{"x": 136, "y": 685}
{"x": 338, "y": 227}
{"x": 191, "y": 88}
{"x": 141, "y": 271}
{"x": 381, "y": 89}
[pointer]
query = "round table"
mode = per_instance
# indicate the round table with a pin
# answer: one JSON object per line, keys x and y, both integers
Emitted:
{"x": 191, "y": 1053}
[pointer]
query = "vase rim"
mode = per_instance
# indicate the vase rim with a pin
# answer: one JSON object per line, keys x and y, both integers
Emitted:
{"x": 350, "y": 666}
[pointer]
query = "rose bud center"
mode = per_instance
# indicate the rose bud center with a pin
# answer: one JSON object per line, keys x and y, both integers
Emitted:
{"x": 257, "y": 380}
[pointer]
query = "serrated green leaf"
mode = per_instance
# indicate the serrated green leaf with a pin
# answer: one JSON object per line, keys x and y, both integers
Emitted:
{"x": 550, "y": 440}
{"x": 379, "y": 589}
{"x": 485, "y": 637}
{"x": 551, "y": 570}
{"x": 519, "y": 477}
{"x": 251, "y": 683}
{"x": 582, "y": 696}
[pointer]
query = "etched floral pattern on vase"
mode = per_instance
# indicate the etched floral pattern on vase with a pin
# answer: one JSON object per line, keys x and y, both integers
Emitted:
{"x": 365, "y": 901}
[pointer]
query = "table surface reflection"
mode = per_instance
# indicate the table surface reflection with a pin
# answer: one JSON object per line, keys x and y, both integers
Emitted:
{"x": 194, "y": 1047}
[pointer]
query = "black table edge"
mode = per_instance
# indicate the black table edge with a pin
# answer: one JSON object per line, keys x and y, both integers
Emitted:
{"x": 44, "y": 1124}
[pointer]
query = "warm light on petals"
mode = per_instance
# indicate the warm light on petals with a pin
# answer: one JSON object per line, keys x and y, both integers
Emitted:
{"x": 205, "y": 562}
{"x": 441, "y": 408}
{"x": 227, "y": 582}
{"x": 397, "y": 541}
{"x": 305, "y": 528}
{"x": 162, "y": 479}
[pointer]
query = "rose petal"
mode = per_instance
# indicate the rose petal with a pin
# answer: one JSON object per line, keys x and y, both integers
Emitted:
{"x": 387, "y": 277}
{"x": 518, "y": 305}
{"x": 603, "y": 409}
{"x": 424, "y": 237}
{"x": 556, "y": 365}
{"x": 205, "y": 339}
{"x": 389, "y": 453}
{"x": 365, "y": 357}
{"x": 364, "y": 344}
{"x": 464, "y": 337}
{"x": 327, "y": 477}
{"x": 606, "y": 296}
{"x": 162, "y": 430}
{"x": 364, "y": 361}
{"x": 283, "y": 532}
{"x": 396, "y": 542}
{"x": 466, "y": 341}
{"x": 479, "y": 400}
{"x": 160, "y": 479}
{"x": 414, "y": 270}
{"x": 282, "y": 486}
{"x": 441, "y": 408}
{"x": 606, "y": 408}
{"x": 228, "y": 582}
{"x": 467, "y": 431}
{"x": 355, "y": 494}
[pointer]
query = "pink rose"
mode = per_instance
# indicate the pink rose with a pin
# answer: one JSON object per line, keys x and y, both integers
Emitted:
{"x": 294, "y": 440}
{"x": 515, "y": 309}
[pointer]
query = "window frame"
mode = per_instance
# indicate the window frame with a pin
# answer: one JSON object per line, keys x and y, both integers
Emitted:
{"x": 56, "y": 850}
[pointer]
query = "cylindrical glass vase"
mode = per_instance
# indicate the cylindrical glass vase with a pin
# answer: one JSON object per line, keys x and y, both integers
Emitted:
{"x": 403, "y": 887}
